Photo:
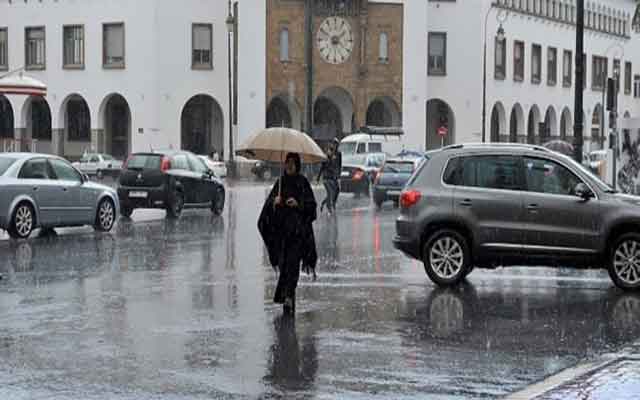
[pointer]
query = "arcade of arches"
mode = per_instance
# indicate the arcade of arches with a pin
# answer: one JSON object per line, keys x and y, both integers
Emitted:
{"x": 117, "y": 127}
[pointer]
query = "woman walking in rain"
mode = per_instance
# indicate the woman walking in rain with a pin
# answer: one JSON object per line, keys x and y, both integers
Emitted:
{"x": 285, "y": 225}
{"x": 330, "y": 174}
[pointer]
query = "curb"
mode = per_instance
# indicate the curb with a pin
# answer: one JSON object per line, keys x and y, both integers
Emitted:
{"x": 629, "y": 352}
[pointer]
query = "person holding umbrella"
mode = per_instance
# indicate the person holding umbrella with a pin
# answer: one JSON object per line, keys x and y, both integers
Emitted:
{"x": 287, "y": 216}
{"x": 285, "y": 225}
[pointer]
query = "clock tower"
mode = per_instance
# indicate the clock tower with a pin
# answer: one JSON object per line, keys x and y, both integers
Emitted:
{"x": 333, "y": 64}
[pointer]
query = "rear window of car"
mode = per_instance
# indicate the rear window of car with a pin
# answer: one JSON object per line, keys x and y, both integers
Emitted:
{"x": 398, "y": 167}
{"x": 5, "y": 163}
{"x": 144, "y": 161}
{"x": 491, "y": 172}
{"x": 107, "y": 157}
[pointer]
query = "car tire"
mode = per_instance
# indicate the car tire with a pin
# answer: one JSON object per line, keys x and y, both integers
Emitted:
{"x": 105, "y": 216}
{"x": 446, "y": 257}
{"x": 217, "y": 204}
{"x": 175, "y": 206}
{"x": 623, "y": 262}
{"x": 23, "y": 221}
{"x": 126, "y": 211}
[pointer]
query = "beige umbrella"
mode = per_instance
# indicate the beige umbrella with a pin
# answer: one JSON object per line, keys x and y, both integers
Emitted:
{"x": 273, "y": 144}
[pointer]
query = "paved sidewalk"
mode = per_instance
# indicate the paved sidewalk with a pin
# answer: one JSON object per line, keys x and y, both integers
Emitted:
{"x": 616, "y": 376}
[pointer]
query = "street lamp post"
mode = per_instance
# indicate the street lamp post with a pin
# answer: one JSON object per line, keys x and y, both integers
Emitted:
{"x": 578, "y": 140}
{"x": 500, "y": 37}
{"x": 231, "y": 23}
{"x": 604, "y": 88}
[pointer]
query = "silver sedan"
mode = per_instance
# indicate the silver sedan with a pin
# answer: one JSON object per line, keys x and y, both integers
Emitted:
{"x": 45, "y": 191}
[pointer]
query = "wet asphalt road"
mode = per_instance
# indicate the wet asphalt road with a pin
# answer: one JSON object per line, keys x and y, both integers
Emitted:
{"x": 182, "y": 309}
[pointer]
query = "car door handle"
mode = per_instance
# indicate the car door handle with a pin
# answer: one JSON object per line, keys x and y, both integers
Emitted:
{"x": 532, "y": 207}
{"x": 64, "y": 189}
{"x": 466, "y": 203}
{"x": 35, "y": 188}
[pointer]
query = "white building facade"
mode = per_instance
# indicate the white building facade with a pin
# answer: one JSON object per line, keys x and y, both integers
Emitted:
{"x": 122, "y": 75}
{"x": 530, "y": 74}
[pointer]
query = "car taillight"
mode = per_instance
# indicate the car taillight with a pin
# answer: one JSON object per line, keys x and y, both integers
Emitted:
{"x": 409, "y": 198}
{"x": 358, "y": 175}
{"x": 165, "y": 164}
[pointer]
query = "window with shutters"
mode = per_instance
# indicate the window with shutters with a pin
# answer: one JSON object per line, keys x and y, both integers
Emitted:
{"x": 518, "y": 61}
{"x": 536, "y": 63}
{"x": 383, "y": 50}
{"x": 552, "y": 66}
{"x": 35, "y": 50}
{"x": 202, "y": 54}
{"x": 437, "y": 53}
{"x": 500, "y": 71}
{"x": 73, "y": 44}
{"x": 598, "y": 72}
{"x": 566, "y": 68}
{"x": 113, "y": 45}
{"x": 627, "y": 78}
{"x": 4, "y": 49}
{"x": 284, "y": 44}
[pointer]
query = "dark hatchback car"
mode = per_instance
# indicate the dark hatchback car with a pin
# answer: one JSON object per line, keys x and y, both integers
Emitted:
{"x": 359, "y": 172}
{"x": 512, "y": 205}
{"x": 392, "y": 178}
{"x": 171, "y": 180}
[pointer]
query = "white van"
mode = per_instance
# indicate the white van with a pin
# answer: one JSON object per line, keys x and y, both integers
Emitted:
{"x": 373, "y": 140}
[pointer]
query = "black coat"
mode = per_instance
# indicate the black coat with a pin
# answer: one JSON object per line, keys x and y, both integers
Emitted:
{"x": 281, "y": 224}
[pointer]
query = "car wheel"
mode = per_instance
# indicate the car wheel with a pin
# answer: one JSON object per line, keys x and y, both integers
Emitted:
{"x": 23, "y": 222}
{"x": 100, "y": 174}
{"x": 126, "y": 211}
{"x": 175, "y": 206}
{"x": 446, "y": 257}
{"x": 624, "y": 262}
{"x": 105, "y": 216}
{"x": 217, "y": 204}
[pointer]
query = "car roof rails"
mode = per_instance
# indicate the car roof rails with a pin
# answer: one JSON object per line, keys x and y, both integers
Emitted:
{"x": 493, "y": 144}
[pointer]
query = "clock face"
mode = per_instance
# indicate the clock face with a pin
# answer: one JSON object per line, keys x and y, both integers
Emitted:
{"x": 335, "y": 40}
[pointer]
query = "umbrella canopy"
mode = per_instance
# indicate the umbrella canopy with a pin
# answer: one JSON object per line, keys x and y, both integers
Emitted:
{"x": 560, "y": 146}
{"x": 273, "y": 144}
{"x": 22, "y": 84}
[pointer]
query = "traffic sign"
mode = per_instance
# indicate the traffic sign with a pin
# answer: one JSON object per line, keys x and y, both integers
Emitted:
{"x": 442, "y": 131}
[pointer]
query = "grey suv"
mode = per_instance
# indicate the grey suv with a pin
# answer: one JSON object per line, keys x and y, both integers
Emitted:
{"x": 500, "y": 205}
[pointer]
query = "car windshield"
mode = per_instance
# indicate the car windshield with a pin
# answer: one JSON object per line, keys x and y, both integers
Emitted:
{"x": 355, "y": 159}
{"x": 144, "y": 161}
{"x": 397, "y": 167}
{"x": 107, "y": 157}
{"x": 5, "y": 163}
{"x": 347, "y": 147}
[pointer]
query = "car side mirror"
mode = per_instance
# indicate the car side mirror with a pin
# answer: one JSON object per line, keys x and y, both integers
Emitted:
{"x": 583, "y": 191}
{"x": 85, "y": 178}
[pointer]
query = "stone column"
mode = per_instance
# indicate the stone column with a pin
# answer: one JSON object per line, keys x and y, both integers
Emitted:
{"x": 57, "y": 141}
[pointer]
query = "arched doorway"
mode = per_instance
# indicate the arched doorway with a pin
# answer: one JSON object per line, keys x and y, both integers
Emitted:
{"x": 278, "y": 114}
{"x": 116, "y": 116}
{"x": 566, "y": 129}
{"x": 37, "y": 121}
{"x": 77, "y": 127}
{"x": 383, "y": 111}
{"x": 439, "y": 114}
{"x": 596, "y": 139}
{"x": 202, "y": 125}
{"x": 516, "y": 123}
{"x": 333, "y": 114}
{"x": 532, "y": 125}
{"x": 550, "y": 125}
{"x": 7, "y": 132}
{"x": 498, "y": 122}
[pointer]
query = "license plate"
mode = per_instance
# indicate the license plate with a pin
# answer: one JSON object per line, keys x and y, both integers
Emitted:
{"x": 344, "y": 173}
{"x": 393, "y": 193}
{"x": 138, "y": 195}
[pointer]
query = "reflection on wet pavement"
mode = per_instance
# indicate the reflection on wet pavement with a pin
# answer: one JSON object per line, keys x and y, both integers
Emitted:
{"x": 182, "y": 310}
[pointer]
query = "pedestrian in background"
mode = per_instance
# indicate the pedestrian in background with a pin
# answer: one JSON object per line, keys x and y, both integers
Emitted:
{"x": 330, "y": 174}
{"x": 286, "y": 226}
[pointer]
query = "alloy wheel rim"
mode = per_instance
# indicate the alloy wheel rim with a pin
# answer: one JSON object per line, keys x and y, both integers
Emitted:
{"x": 106, "y": 215}
{"x": 626, "y": 262}
{"x": 446, "y": 257}
{"x": 24, "y": 221}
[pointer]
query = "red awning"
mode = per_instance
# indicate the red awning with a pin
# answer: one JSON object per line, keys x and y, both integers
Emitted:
{"x": 21, "y": 84}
